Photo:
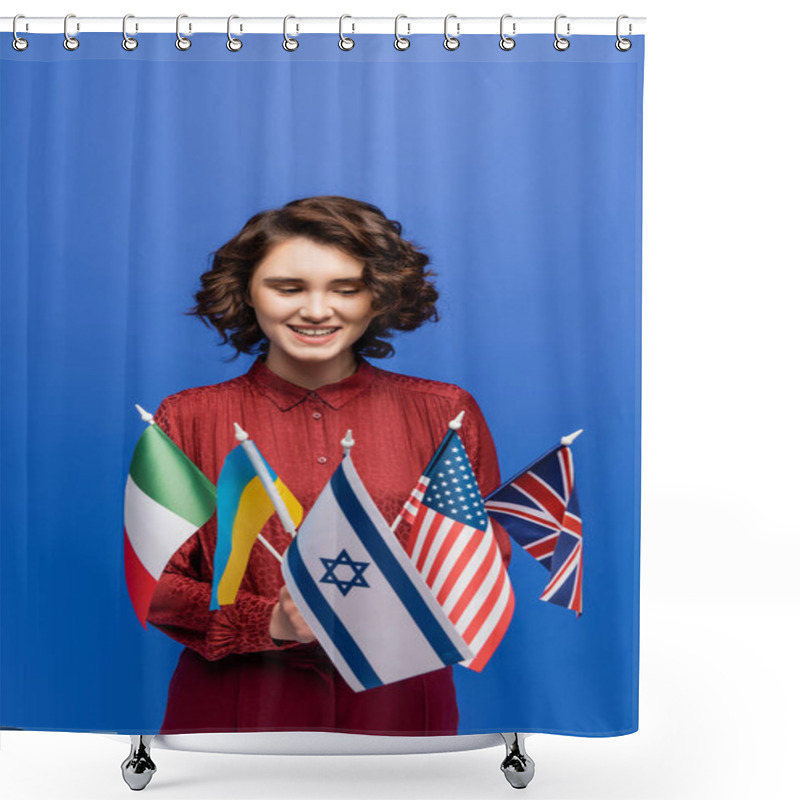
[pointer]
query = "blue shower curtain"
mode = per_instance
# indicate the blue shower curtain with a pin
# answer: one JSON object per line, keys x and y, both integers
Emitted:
{"x": 518, "y": 173}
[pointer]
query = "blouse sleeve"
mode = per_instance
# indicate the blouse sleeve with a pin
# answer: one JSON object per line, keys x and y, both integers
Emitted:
{"x": 180, "y": 603}
{"x": 481, "y": 450}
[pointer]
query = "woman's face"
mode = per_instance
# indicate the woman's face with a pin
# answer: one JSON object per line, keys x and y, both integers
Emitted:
{"x": 310, "y": 300}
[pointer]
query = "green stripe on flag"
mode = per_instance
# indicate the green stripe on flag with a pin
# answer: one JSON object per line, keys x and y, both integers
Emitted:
{"x": 165, "y": 473}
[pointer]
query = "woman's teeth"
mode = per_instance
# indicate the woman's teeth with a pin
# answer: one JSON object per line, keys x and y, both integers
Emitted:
{"x": 314, "y": 331}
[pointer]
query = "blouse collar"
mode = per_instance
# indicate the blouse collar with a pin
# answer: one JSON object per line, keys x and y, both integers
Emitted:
{"x": 286, "y": 394}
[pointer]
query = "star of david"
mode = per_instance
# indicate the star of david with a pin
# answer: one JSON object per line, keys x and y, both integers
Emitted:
{"x": 344, "y": 560}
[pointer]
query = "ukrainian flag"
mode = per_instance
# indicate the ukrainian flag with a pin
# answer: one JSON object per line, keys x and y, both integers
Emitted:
{"x": 243, "y": 508}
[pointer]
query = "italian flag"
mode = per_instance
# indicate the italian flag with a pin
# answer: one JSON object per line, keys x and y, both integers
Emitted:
{"x": 167, "y": 498}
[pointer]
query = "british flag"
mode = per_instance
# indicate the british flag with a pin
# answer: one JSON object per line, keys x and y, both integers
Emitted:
{"x": 539, "y": 508}
{"x": 453, "y": 547}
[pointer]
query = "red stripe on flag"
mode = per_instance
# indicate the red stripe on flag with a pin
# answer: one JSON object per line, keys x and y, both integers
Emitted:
{"x": 576, "y": 603}
{"x": 565, "y": 567}
{"x": 468, "y": 594}
{"x": 486, "y": 608}
{"x": 447, "y": 546}
{"x": 141, "y": 583}
{"x": 573, "y": 524}
{"x": 543, "y": 547}
{"x": 528, "y": 516}
{"x": 543, "y": 494}
{"x": 458, "y": 568}
{"x": 430, "y": 535}
{"x": 495, "y": 637}
{"x": 565, "y": 458}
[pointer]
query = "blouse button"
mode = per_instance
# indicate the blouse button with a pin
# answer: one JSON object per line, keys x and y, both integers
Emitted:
{"x": 322, "y": 460}
{"x": 317, "y": 415}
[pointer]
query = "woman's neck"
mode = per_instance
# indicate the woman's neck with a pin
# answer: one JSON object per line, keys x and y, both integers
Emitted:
{"x": 312, "y": 374}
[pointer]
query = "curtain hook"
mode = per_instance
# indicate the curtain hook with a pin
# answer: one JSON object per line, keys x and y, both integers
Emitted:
{"x": 507, "y": 42}
{"x": 560, "y": 43}
{"x": 451, "y": 42}
{"x": 400, "y": 42}
{"x": 623, "y": 45}
{"x": 344, "y": 42}
{"x": 128, "y": 42}
{"x": 70, "y": 42}
{"x": 290, "y": 44}
{"x": 181, "y": 42}
{"x": 233, "y": 44}
{"x": 18, "y": 43}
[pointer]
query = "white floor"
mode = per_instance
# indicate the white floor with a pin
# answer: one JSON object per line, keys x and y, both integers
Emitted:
{"x": 719, "y": 698}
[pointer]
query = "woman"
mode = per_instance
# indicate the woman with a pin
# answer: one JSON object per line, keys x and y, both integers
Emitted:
{"x": 313, "y": 287}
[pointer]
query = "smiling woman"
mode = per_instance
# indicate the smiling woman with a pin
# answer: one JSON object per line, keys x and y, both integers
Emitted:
{"x": 312, "y": 287}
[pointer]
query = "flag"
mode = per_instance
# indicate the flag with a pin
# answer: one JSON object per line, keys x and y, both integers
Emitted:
{"x": 167, "y": 498}
{"x": 453, "y": 547}
{"x": 359, "y": 593}
{"x": 243, "y": 508}
{"x": 539, "y": 508}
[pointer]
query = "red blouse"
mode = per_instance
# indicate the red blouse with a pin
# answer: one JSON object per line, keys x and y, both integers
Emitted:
{"x": 397, "y": 423}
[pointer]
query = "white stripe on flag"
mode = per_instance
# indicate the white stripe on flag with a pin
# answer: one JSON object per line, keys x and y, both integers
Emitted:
{"x": 469, "y": 571}
{"x": 487, "y": 629}
{"x": 143, "y": 516}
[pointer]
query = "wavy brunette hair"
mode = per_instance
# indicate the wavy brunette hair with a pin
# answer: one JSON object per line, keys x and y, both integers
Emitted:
{"x": 394, "y": 271}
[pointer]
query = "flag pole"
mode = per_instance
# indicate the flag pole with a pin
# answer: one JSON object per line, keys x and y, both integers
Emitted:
{"x": 146, "y": 415}
{"x": 568, "y": 440}
{"x": 348, "y": 442}
{"x": 264, "y": 477}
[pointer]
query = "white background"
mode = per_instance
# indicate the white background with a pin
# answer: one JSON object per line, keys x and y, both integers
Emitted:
{"x": 719, "y": 689}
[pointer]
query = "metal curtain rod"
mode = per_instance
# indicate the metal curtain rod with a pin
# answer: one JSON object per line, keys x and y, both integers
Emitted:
{"x": 413, "y": 25}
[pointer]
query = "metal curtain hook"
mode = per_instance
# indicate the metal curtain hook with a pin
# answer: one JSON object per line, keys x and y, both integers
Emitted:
{"x": 181, "y": 42}
{"x": 560, "y": 43}
{"x": 400, "y": 42}
{"x": 70, "y": 42}
{"x": 128, "y": 42}
{"x": 233, "y": 44}
{"x": 18, "y": 43}
{"x": 623, "y": 45}
{"x": 290, "y": 44}
{"x": 451, "y": 42}
{"x": 344, "y": 42}
{"x": 507, "y": 42}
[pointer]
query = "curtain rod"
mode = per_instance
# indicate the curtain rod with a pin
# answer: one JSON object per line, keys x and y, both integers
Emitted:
{"x": 300, "y": 24}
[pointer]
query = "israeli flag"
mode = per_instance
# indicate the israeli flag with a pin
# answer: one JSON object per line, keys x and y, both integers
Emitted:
{"x": 359, "y": 592}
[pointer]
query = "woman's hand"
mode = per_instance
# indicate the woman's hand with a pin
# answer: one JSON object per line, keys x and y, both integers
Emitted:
{"x": 287, "y": 622}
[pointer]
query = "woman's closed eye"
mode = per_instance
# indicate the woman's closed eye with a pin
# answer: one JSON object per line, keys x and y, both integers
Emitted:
{"x": 338, "y": 291}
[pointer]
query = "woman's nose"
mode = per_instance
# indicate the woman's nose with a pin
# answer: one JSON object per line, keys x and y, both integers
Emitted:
{"x": 316, "y": 307}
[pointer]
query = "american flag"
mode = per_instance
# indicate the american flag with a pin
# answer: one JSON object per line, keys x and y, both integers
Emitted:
{"x": 453, "y": 547}
{"x": 539, "y": 508}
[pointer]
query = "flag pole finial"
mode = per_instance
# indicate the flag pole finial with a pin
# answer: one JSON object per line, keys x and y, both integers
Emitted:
{"x": 146, "y": 415}
{"x": 241, "y": 434}
{"x": 348, "y": 441}
{"x": 568, "y": 440}
{"x": 455, "y": 424}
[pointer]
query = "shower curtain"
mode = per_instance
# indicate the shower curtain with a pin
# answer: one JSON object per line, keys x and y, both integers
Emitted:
{"x": 517, "y": 172}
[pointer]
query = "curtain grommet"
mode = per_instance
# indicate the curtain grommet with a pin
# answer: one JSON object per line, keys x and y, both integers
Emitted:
{"x": 128, "y": 42}
{"x": 561, "y": 43}
{"x": 507, "y": 42}
{"x": 290, "y": 44}
{"x": 233, "y": 44}
{"x": 181, "y": 42}
{"x": 451, "y": 42}
{"x": 345, "y": 43}
{"x": 401, "y": 42}
{"x": 622, "y": 44}
{"x": 18, "y": 43}
{"x": 70, "y": 42}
